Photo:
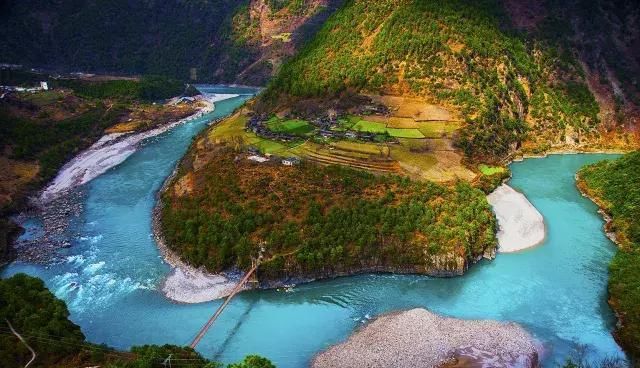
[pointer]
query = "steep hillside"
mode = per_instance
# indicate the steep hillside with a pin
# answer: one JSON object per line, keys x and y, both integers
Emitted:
{"x": 510, "y": 89}
{"x": 224, "y": 40}
{"x": 614, "y": 187}
{"x": 604, "y": 35}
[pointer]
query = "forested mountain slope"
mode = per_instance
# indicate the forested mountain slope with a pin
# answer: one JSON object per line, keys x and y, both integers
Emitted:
{"x": 509, "y": 87}
{"x": 604, "y": 35}
{"x": 222, "y": 40}
{"x": 613, "y": 185}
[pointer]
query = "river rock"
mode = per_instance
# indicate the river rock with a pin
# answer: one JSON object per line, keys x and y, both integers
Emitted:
{"x": 419, "y": 338}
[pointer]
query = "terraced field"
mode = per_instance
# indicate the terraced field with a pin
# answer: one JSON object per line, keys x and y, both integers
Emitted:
{"x": 422, "y": 156}
{"x": 400, "y": 127}
{"x": 369, "y": 158}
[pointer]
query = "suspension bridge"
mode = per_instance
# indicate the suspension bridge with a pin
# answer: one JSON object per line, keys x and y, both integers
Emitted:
{"x": 203, "y": 331}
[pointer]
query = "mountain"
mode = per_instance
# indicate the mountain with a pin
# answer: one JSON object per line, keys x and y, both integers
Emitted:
{"x": 514, "y": 88}
{"x": 202, "y": 40}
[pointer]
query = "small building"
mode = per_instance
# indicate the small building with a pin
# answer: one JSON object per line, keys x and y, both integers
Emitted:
{"x": 326, "y": 133}
{"x": 258, "y": 159}
{"x": 291, "y": 161}
{"x": 44, "y": 86}
{"x": 351, "y": 135}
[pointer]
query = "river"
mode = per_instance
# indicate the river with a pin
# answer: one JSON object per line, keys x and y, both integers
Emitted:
{"x": 110, "y": 275}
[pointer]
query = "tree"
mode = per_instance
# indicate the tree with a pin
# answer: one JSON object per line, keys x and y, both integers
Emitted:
{"x": 253, "y": 361}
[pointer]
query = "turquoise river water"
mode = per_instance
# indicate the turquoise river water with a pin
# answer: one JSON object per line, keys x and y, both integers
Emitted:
{"x": 557, "y": 291}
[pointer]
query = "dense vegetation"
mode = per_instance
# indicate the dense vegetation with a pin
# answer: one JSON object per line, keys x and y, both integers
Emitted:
{"x": 139, "y": 37}
{"x": 148, "y": 88}
{"x": 318, "y": 221}
{"x": 454, "y": 52}
{"x": 210, "y": 41}
{"x": 36, "y": 313}
{"x": 604, "y": 34}
{"x": 616, "y": 187}
{"x": 52, "y": 144}
{"x": 42, "y": 320}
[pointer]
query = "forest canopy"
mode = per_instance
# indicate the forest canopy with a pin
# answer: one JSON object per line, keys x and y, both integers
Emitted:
{"x": 316, "y": 220}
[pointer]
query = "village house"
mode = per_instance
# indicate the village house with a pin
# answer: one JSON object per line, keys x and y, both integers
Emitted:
{"x": 291, "y": 161}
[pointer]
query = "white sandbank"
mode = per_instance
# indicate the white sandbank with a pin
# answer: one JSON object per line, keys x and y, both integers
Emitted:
{"x": 419, "y": 338}
{"x": 189, "y": 285}
{"x": 521, "y": 225}
{"x": 110, "y": 151}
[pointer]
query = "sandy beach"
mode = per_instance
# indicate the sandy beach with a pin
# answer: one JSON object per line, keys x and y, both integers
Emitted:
{"x": 419, "y": 338}
{"x": 521, "y": 225}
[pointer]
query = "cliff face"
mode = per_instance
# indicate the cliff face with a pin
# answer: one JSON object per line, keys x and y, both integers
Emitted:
{"x": 273, "y": 31}
{"x": 290, "y": 271}
{"x": 219, "y": 41}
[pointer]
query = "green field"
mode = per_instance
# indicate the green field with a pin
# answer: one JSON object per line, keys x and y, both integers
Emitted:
{"x": 405, "y": 133}
{"x": 381, "y": 128}
{"x": 370, "y": 127}
{"x": 233, "y": 128}
{"x": 437, "y": 129}
{"x": 292, "y": 126}
{"x": 42, "y": 98}
{"x": 490, "y": 170}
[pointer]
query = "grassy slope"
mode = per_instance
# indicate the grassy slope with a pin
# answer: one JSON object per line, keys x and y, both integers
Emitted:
{"x": 326, "y": 220}
{"x": 615, "y": 185}
{"x": 458, "y": 53}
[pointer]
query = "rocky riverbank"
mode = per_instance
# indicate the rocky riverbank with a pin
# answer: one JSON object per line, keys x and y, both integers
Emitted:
{"x": 110, "y": 151}
{"x": 419, "y": 338}
{"x": 608, "y": 220}
{"x": 521, "y": 225}
{"x": 60, "y": 200}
